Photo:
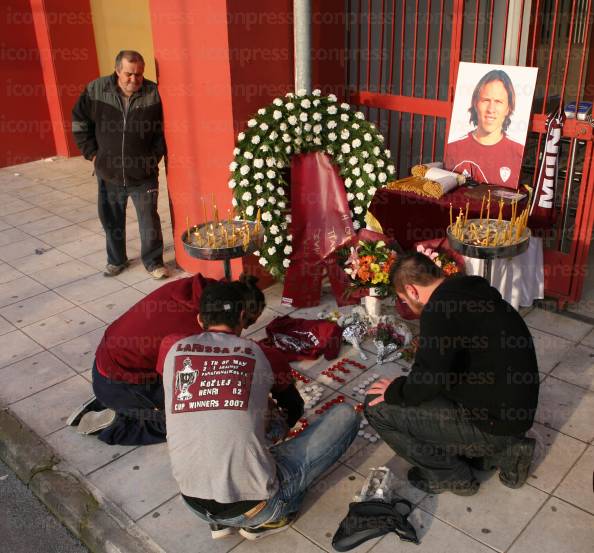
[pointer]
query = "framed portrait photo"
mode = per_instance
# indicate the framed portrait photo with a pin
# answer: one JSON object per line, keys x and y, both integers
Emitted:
{"x": 489, "y": 124}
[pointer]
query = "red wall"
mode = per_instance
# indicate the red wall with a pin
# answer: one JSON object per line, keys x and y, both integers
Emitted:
{"x": 25, "y": 125}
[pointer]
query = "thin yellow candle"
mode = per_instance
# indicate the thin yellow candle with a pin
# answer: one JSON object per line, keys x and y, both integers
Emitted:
{"x": 257, "y": 227}
{"x": 451, "y": 216}
{"x": 466, "y": 214}
{"x": 500, "y": 217}
{"x": 482, "y": 208}
{"x": 204, "y": 210}
{"x": 229, "y": 216}
{"x": 489, "y": 207}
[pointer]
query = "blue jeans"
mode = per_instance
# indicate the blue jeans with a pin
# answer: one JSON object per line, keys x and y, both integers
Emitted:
{"x": 299, "y": 462}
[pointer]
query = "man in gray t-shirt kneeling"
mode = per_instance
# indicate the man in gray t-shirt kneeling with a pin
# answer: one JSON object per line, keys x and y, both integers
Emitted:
{"x": 217, "y": 388}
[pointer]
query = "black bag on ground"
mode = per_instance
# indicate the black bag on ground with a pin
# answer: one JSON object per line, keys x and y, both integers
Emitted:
{"x": 371, "y": 519}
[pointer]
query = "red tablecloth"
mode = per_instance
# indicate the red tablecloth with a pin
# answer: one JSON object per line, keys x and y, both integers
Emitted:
{"x": 409, "y": 218}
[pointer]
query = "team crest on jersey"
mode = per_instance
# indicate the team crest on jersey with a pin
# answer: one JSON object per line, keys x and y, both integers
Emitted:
{"x": 184, "y": 379}
{"x": 504, "y": 173}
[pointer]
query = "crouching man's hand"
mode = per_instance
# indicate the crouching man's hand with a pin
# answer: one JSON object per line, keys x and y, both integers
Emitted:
{"x": 378, "y": 388}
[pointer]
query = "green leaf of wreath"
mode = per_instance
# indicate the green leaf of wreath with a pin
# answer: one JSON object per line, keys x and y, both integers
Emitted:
{"x": 300, "y": 123}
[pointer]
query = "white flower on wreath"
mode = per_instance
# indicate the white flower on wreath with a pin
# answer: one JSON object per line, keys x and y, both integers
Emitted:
{"x": 271, "y": 250}
{"x": 332, "y": 110}
{"x": 271, "y": 200}
{"x": 232, "y": 184}
{"x": 258, "y": 189}
{"x": 376, "y": 151}
{"x": 289, "y": 236}
{"x": 372, "y": 177}
{"x": 290, "y": 106}
{"x": 348, "y": 181}
{"x": 258, "y": 163}
{"x": 298, "y": 131}
{"x": 382, "y": 177}
{"x": 259, "y": 176}
{"x": 345, "y": 148}
{"x": 263, "y": 261}
{"x": 233, "y": 202}
{"x": 257, "y": 253}
{"x": 353, "y": 160}
{"x": 292, "y": 120}
{"x": 282, "y": 205}
{"x": 379, "y": 163}
{"x": 261, "y": 202}
{"x": 233, "y": 166}
{"x": 276, "y": 114}
{"x": 270, "y": 162}
{"x": 360, "y": 196}
{"x": 236, "y": 151}
{"x": 270, "y": 174}
{"x": 316, "y": 92}
{"x": 355, "y": 126}
{"x": 244, "y": 182}
{"x": 288, "y": 219}
{"x": 252, "y": 123}
{"x": 307, "y": 127}
{"x": 364, "y": 154}
{"x": 270, "y": 186}
{"x": 287, "y": 250}
{"x": 371, "y": 190}
{"x": 280, "y": 190}
{"x": 249, "y": 210}
{"x": 344, "y": 134}
{"x": 317, "y": 116}
{"x": 356, "y": 143}
{"x": 286, "y": 138}
{"x": 317, "y": 129}
{"x": 387, "y": 153}
{"x": 317, "y": 141}
{"x": 359, "y": 115}
{"x": 244, "y": 169}
{"x": 350, "y": 196}
{"x": 263, "y": 126}
{"x": 301, "y": 92}
{"x": 358, "y": 210}
{"x": 368, "y": 168}
{"x": 367, "y": 137}
{"x": 332, "y": 124}
{"x": 248, "y": 155}
{"x": 357, "y": 172}
{"x": 344, "y": 117}
{"x": 246, "y": 196}
{"x": 359, "y": 182}
{"x": 266, "y": 216}
{"x": 332, "y": 136}
{"x": 305, "y": 103}
{"x": 261, "y": 111}
{"x": 332, "y": 97}
{"x": 278, "y": 240}
{"x": 277, "y": 102}
{"x": 391, "y": 169}
{"x": 256, "y": 139}
{"x": 356, "y": 225}
{"x": 273, "y": 229}
{"x": 283, "y": 126}
{"x": 240, "y": 136}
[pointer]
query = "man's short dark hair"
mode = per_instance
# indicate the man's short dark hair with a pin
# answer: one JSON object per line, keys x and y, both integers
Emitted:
{"x": 413, "y": 268}
{"x": 221, "y": 303}
{"x": 130, "y": 55}
{"x": 254, "y": 299}
{"x": 494, "y": 75}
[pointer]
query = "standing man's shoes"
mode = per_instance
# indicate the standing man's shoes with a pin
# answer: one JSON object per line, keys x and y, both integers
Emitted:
{"x": 269, "y": 528}
{"x": 114, "y": 270}
{"x": 220, "y": 531}
{"x": 462, "y": 487}
{"x": 159, "y": 273}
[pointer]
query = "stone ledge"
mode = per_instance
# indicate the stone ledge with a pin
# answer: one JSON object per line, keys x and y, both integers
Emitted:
{"x": 68, "y": 497}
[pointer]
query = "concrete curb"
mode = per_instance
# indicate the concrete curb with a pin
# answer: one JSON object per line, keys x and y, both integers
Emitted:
{"x": 100, "y": 526}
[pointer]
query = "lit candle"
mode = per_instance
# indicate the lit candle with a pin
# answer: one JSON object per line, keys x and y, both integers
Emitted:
{"x": 466, "y": 214}
{"x": 204, "y": 210}
{"x": 451, "y": 216}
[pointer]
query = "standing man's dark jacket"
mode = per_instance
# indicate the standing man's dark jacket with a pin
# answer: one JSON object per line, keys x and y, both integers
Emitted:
{"x": 119, "y": 140}
{"x": 476, "y": 350}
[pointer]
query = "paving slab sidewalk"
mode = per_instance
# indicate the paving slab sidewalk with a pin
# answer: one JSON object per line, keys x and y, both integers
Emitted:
{"x": 54, "y": 306}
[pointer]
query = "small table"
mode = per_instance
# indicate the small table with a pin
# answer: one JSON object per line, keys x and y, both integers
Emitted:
{"x": 224, "y": 254}
{"x": 488, "y": 253}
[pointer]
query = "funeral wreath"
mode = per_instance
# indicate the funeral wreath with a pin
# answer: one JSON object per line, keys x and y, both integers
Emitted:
{"x": 302, "y": 123}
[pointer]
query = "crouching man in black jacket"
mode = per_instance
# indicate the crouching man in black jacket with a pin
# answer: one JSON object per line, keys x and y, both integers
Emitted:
{"x": 473, "y": 389}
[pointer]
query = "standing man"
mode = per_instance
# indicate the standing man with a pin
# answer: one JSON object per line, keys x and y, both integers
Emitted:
{"x": 472, "y": 391}
{"x": 118, "y": 125}
{"x": 216, "y": 403}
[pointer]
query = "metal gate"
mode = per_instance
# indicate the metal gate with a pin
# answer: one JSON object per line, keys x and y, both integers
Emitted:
{"x": 403, "y": 63}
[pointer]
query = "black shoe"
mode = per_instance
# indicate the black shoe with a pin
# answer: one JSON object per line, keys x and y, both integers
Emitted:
{"x": 481, "y": 463}
{"x": 515, "y": 463}
{"x": 219, "y": 531}
{"x": 269, "y": 528}
{"x": 462, "y": 487}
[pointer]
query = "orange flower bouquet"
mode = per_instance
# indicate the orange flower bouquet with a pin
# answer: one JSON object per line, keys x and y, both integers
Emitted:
{"x": 368, "y": 266}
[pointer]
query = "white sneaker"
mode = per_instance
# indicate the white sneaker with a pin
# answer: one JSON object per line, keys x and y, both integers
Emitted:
{"x": 159, "y": 272}
{"x": 94, "y": 421}
{"x": 92, "y": 404}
